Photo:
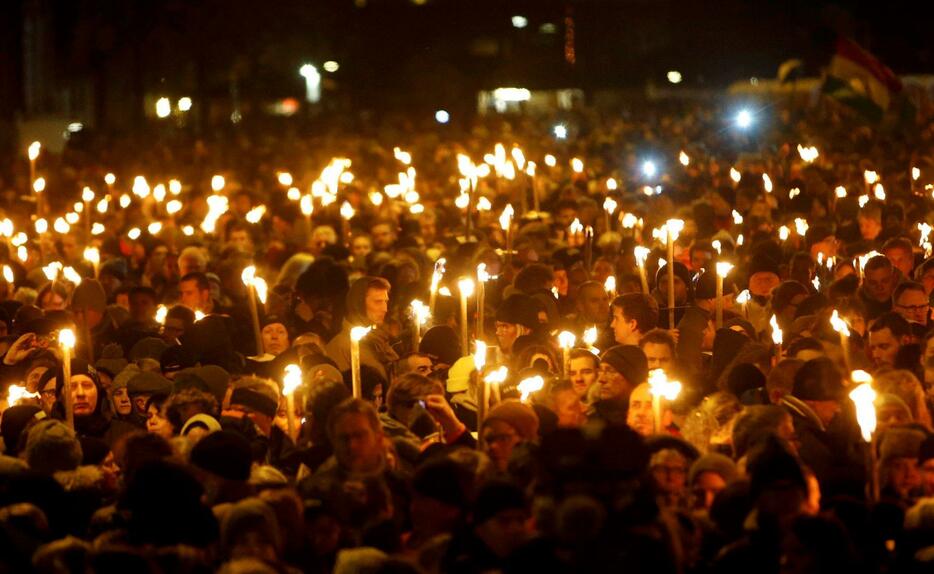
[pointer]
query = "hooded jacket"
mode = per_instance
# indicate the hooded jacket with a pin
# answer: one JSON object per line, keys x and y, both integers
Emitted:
{"x": 375, "y": 349}
{"x": 99, "y": 424}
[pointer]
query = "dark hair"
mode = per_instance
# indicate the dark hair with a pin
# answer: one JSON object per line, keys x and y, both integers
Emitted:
{"x": 639, "y": 308}
{"x": 902, "y": 243}
{"x": 893, "y": 322}
{"x": 584, "y": 354}
{"x": 658, "y": 337}
{"x": 200, "y": 278}
{"x": 353, "y": 406}
{"x": 188, "y": 402}
{"x": 877, "y": 262}
{"x": 871, "y": 210}
{"x": 907, "y": 286}
{"x": 533, "y": 278}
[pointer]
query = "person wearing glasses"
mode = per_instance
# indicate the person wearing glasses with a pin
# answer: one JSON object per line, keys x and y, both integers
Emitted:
{"x": 910, "y": 301}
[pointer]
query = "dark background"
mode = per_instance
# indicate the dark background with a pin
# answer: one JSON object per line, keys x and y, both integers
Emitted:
{"x": 101, "y": 59}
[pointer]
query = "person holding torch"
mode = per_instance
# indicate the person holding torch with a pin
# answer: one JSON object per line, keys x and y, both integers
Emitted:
{"x": 367, "y": 306}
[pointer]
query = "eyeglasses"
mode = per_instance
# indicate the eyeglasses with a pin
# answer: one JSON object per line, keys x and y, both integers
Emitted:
{"x": 913, "y": 308}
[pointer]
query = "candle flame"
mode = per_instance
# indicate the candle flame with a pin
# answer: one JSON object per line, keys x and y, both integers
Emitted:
{"x": 256, "y": 214}
{"x": 776, "y": 331}
{"x": 358, "y": 333}
{"x": 33, "y": 150}
{"x": 838, "y": 324}
{"x": 262, "y": 289}
{"x": 466, "y": 287}
{"x": 641, "y": 253}
{"x": 16, "y": 393}
{"x": 248, "y": 275}
{"x": 863, "y": 396}
{"x": 479, "y": 355}
{"x": 498, "y": 376}
{"x": 66, "y": 338}
{"x": 684, "y": 159}
{"x": 292, "y": 379}
{"x": 92, "y": 255}
{"x": 420, "y": 312}
{"x": 590, "y": 336}
{"x": 482, "y": 275}
{"x": 566, "y": 339}
{"x": 8, "y": 274}
{"x": 724, "y": 268}
{"x": 660, "y": 386}
{"x": 161, "y": 312}
{"x": 530, "y": 385}
{"x": 505, "y": 218}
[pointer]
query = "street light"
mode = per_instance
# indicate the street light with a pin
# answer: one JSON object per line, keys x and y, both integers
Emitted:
{"x": 163, "y": 107}
{"x": 744, "y": 119}
{"x": 649, "y": 169}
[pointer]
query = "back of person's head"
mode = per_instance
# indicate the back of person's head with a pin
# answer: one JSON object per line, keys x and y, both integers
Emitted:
{"x": 411, "y": 387}
{"x": 818, "y": 380}
{"x": 533, "y": 278}
{"x": 781, "y": 379}
{"x": 51, "y": 447}
{"x": 754, "y": 425}
{"x": 322, "y": 398}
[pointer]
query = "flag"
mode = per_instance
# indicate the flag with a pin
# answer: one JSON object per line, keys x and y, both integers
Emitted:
{"x": 859, "y": 80}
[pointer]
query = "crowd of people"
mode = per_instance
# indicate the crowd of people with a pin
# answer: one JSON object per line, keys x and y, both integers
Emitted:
{"x": 176, "y": 444}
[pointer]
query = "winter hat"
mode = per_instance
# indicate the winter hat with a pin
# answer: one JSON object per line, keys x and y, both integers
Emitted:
{"x": 52, "y": 447}
{"x": 629, "y": 361}
{"x": 441, "y": 341}
{"x": 146, "y": 383}
{"x": 249, "y": 515}
{"x": 122, "y": 378}
{"x": 324, "y": 372}
{"x": 200, "y": 420}
{"x": 713, "y": 462}
{"x": 111, "y": 360}
{"x": 900, "y": 442}
{"x": 255, "y": 400}
{"x": 224, "y": 453}
{"x": 89, "y": 294}
{"x": 459, "y": 375}
{"x": 519, "y": 309}
{"x": 517, "y": 415}
{"x": 217, "y": 379}
{"x": 148, "y": 348}
{"x": 705, "y": 285}
{"x": 496, "y": 497}
{"x": 681, "y": 271}
{"x": 14, "y": 421}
